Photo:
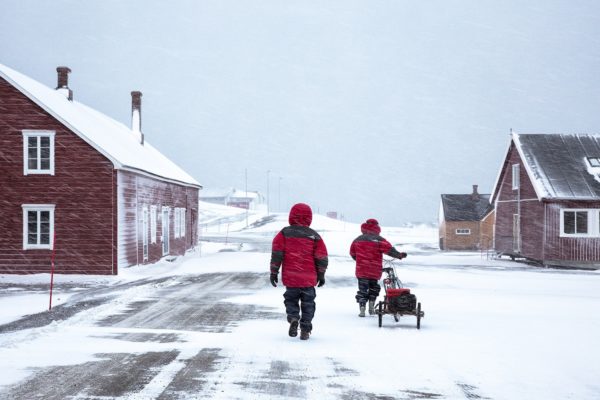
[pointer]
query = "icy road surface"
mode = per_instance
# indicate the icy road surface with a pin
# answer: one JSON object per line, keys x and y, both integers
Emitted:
{"x": 211, "y": 327}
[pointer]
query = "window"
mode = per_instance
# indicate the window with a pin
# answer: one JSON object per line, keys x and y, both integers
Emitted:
{"x": 176, "y": 222}
{"x": 38, "y": 226}
{"x": 152, "y": 224}
{"x": 145, "y": 232}
{"x": 580, "y": 222}
{"x": 182, "y": 222}
{"x": 594, "y": 162}
{"x": 515, "y": 176}
{"x": 179, "y": 222}
{"x": 463, "y": 231}
{"x": 38, "y": 152}
{"x": 575, "y": 222}
{"x": 165, "y": 230}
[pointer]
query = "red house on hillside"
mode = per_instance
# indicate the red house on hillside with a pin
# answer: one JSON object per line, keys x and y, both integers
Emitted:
{"x": 547, "y": 200}
{"x": 86, "y": 184}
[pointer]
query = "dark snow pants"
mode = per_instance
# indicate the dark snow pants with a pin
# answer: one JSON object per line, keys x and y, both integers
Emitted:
{"x": 300, "y": 298}
{"x": 368, "y": 289}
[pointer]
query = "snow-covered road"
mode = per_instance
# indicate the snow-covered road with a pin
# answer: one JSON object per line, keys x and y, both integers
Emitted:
{"x": 146, "y": 340}
{"x": 209, "y": 325}
{"x": 214, "y": 328}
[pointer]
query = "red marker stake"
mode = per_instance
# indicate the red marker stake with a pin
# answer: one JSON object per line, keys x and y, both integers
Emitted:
{"x": 52, "y": 271}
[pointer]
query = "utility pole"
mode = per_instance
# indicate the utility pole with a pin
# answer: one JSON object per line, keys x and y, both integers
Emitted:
{"x": 279, "y": 196}
{"x": 268, "y": 172}
{"x": 246, "y": 183}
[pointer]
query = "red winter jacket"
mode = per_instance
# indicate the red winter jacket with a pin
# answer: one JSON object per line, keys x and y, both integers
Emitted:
{"x": 299, "y": 249}
{"x": 368, "y": 249}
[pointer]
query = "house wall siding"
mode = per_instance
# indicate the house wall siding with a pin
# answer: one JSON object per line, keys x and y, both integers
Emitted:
{"x": 530, "y": 209}
{"x": 584, "y": 250}
{"x": 487, "y": 231}
{"x": 136, "y": 191}
{"x": 452, "y": 241}
{"x": 81, "y": 190}
{"x": 442, "y": 235}
{"x": 540, "y": 223}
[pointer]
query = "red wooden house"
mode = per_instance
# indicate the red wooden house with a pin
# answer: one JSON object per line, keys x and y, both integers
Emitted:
{"x": 547, "y": 200}
{"x": 87, "y": 185}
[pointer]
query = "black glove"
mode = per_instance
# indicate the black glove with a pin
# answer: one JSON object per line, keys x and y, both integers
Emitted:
{"x": 320, "y": 279}
{"x": 403, "y": 255}
{"x": 273, "y": 279}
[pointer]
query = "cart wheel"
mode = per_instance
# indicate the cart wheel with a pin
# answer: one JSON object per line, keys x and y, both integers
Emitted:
{"x": 380, "y": 313}
{"x": 419, "y": 316}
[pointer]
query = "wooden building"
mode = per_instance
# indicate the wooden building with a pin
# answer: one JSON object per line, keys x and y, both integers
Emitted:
{"x": 547, "y": 200}
{"x": 465, "y": 221}
{"x": 88, "y": 186}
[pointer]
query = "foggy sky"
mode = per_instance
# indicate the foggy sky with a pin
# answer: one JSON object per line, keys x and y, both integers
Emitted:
{"x": 368, "y": 108}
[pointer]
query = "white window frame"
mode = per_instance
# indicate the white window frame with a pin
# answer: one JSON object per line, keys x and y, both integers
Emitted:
{"x": 145, "y": 238}
{"x": 183, "y": 222}
{"x": 153, "y": 224}
{"x": 593, "y": 222}
{"x": 176, "y": 222}
{"x": 37, "y": 207}
{"x": 28, "y": 133}
{"x": 180, "y": 222}
{"x": 462, "y": 231}
{"x": 516, "y": 180}
{"x": 165, "y": 226}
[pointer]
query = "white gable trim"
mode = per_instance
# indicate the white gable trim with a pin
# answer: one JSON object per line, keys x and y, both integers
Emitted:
{"x": 538, "y": 190}
{"x": 514, "y": 138}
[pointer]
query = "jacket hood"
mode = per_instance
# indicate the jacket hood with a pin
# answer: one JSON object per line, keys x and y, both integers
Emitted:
{"x": 300, "y": 214}
{"x": 371, "y": 226}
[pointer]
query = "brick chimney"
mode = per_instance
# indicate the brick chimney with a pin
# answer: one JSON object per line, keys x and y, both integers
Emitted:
{"x": 63, "y": 82}
{"x": 136, "y": 114}
{"x": 475, "y": 194}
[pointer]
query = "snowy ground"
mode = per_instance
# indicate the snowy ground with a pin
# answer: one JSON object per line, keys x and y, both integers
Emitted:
{"x": 209, "y": 325}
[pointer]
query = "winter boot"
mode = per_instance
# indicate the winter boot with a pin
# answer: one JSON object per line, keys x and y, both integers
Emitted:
{"x": 293, "y": 332}
{"x": 304, "y": 335}
{"x": 362, "y": 310}
{"x": 371, "y": 307}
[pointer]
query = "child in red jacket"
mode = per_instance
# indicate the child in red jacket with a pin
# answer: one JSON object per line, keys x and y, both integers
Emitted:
{"x": 302, "y": 254}
{"x": 367, "y": 250}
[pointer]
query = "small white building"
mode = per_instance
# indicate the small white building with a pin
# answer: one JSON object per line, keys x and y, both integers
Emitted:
{"x": 250, "y": 200}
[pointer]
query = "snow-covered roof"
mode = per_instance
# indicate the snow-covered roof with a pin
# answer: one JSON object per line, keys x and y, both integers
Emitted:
{"x": 216, "y": 192}
{"x": 558, "y": 166}
{"x": 465, "y": 207}
{"x": 113, "y": 139}
{"x": 229, "y": 192}
{"x": 245, "y": 195}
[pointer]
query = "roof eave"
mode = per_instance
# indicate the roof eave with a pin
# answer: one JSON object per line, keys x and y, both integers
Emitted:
{"x": 159, "y": 177}
{"x": 549, "y": 199}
